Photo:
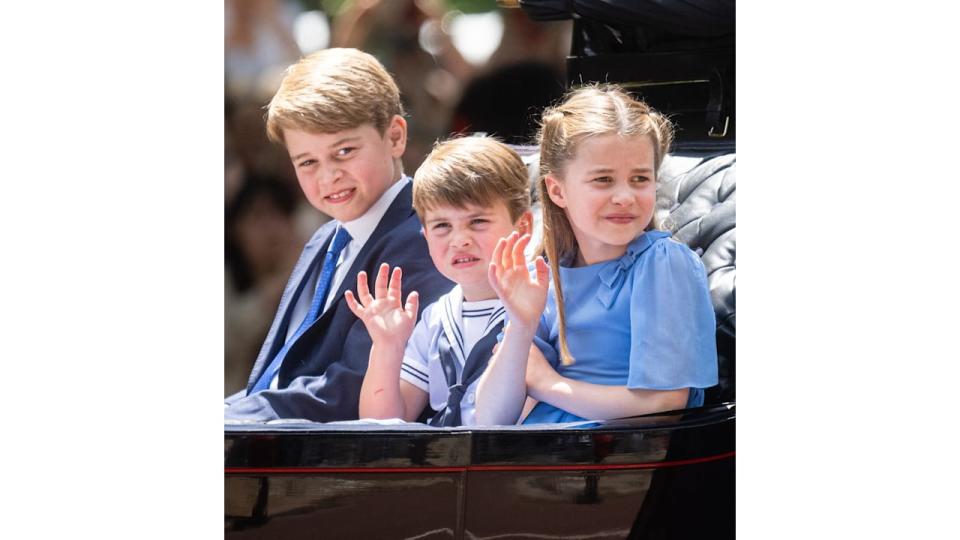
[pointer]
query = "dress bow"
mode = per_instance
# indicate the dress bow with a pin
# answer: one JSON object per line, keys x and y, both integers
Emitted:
{"x": 615, "y": 275}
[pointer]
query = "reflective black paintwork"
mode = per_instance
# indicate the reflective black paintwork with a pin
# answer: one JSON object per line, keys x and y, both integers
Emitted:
{"x": 313, "y": 481}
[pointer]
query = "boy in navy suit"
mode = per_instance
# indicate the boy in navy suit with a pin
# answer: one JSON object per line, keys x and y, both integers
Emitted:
{"x": 338, "y": 114}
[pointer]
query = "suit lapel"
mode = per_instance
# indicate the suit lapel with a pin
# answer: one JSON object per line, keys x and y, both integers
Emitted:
{"x": 301, "y": 276}
{"x": 302, "y": 271}
{"x": 400, "y": 209}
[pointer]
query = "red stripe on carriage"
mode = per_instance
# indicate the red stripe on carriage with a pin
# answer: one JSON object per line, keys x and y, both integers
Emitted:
{"x": 478, "y": 468}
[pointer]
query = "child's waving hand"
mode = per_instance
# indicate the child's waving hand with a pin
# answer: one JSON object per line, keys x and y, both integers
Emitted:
{"x": 386, "y": 319}
{"x": 523, "y": 296}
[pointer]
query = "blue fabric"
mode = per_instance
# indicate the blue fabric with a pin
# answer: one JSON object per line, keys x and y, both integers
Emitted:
{"x": 644, "y": 320}
{"x": 321, "y": 376}
{"x": 340, "y": 240}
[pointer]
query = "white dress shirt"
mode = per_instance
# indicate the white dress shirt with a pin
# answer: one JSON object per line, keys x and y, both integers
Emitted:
{"x": 360, "y": 231}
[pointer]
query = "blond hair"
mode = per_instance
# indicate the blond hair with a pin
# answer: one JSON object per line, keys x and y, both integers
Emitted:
{"x": 585, "y": 112}
{"x": 471, "y": 170}
{"x": 333, "y": 90}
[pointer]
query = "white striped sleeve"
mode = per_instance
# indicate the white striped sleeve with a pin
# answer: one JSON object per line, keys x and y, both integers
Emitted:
{"x": 414, "y": 369}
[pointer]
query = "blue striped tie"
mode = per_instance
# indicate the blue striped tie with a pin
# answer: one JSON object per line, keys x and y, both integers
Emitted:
{"x": 340, "y": 240}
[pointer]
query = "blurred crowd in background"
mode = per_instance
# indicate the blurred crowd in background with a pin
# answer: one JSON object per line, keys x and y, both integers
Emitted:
{"x": 462, "y": 66}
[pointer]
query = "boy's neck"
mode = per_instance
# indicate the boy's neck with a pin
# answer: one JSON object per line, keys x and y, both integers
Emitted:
{"x": 477, "y": 294}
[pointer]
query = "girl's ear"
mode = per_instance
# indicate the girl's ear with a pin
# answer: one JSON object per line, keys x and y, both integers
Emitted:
{"x": 397, "y": 133}
{"x": 525, "y": 223}
{"x": 555, "y": 191}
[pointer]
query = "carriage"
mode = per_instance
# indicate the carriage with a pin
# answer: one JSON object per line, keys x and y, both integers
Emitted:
{"x": 666, "y": 475}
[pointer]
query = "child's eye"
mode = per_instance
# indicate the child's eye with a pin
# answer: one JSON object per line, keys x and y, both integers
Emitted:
{"x": 440, "y": 227}
{"x": 479, "y": 221}
{"x": 345, "y": 151}
{"x": 306, "y": 163}
{"x": 640, "y": 179}
{"x": 603, "y": 180}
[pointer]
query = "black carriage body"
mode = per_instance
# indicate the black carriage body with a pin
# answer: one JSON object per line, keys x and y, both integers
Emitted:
{"x": 657, "y": 476}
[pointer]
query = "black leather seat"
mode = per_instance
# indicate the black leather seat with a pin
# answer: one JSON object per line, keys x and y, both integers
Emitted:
{"x": 696, "y": 199}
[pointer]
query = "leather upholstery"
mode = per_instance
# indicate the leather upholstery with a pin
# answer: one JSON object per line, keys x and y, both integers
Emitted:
{"x": 696, "y": 199}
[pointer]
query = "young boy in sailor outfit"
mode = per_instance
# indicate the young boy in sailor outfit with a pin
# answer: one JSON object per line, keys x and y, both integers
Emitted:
{"x": 468, "y": 193}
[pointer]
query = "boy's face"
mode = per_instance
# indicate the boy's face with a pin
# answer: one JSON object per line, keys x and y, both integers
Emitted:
{"x": 342, "y": 174}
{"x": 461, "y": 242}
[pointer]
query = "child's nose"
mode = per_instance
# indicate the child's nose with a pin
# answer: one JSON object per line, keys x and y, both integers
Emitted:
{"x": 461, "y": 238}
{"x": 330, "y": 173}
{"x": 621, "y": 196}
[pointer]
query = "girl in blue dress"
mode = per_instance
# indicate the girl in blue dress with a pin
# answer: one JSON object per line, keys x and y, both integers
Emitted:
{"x": 628, "y": 326}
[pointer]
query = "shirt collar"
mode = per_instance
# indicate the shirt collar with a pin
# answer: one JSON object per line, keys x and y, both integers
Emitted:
{"x": 361, "y": 228}
{"x": 613, "y": 276}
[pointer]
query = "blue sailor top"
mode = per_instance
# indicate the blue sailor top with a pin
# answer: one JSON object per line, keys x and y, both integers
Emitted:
{"x": 644, "y": 320}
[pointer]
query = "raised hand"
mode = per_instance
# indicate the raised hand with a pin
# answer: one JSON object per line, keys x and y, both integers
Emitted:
{"x": 523, "y": 296}
{"x": 387, "y": 320}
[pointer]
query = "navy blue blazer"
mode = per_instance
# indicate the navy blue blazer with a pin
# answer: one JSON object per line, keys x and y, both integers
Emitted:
{"x": 321, "y": 375}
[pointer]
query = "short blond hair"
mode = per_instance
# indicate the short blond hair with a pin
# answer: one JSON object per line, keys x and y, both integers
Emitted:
{"x": 471, "y": 170}
{"x": 332, "y": 90}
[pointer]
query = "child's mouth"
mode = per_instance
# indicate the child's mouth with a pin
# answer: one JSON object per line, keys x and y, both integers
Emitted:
{"x": 464, "y": 261}
{"x": 341, "y": 196}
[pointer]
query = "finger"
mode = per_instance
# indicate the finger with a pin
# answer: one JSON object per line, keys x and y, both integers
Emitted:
{"x": 393, "y": 291}
{"x": 519, "y": 260}
{"x": 353, "y": 305}
{"x": 363, "y": 288}
{"x": 506, "y": 261}
{"x": 381, "y": 285}
{"x": 495, "y": 259}
{"x": 413, "y": 304}
{"x": 493, "y": 276}
{"x": 543, "y": 271}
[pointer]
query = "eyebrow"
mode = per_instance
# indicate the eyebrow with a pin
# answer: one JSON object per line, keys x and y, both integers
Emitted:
{"x": 470, "y": 216}
{"x": 609, "y": 170}
{"x": 335, "y": 144}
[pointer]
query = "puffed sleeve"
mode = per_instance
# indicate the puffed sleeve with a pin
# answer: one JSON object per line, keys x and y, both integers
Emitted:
{"x": 673, "y": 329}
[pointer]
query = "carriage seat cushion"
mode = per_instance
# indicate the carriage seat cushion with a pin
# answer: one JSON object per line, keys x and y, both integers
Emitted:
{"x": 696, "y": 199}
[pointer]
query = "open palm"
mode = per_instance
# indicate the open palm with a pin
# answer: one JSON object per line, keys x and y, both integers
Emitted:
{"x": 524, "y": 296}
{"x": 387, "y": 320}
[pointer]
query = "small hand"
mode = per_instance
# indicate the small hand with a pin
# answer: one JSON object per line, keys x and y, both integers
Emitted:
{"x": 387, "y": 321}
{"x": 540, "y": 374}
{"x": 523, "y": 296}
